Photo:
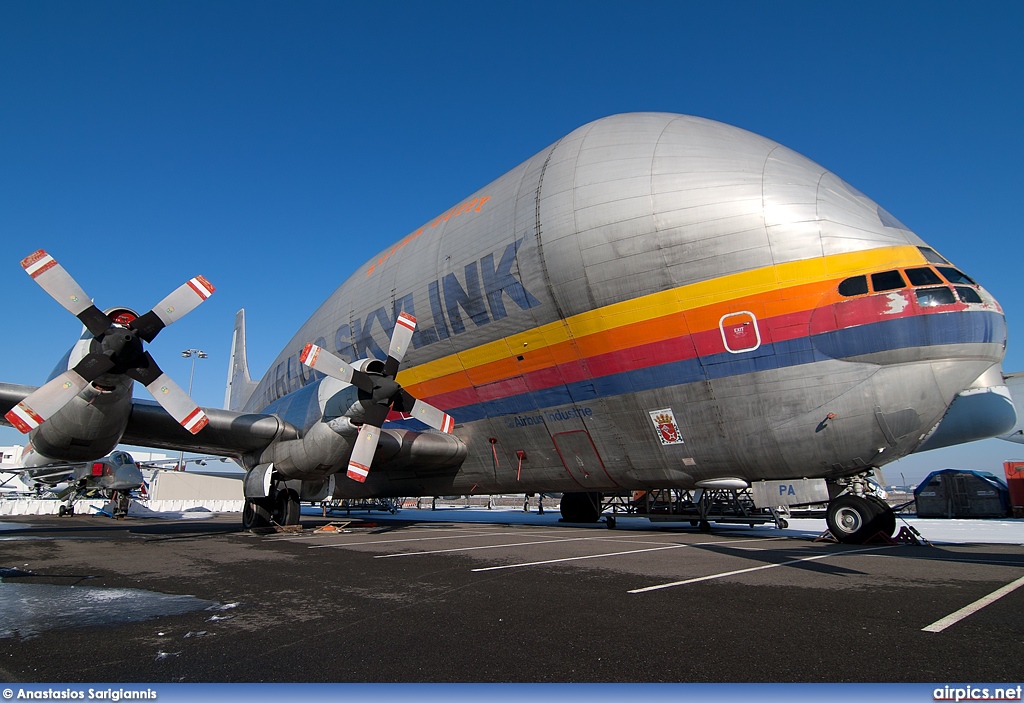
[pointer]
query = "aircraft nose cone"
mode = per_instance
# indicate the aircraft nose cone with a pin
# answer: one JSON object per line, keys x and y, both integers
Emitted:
{"x": 127, "y": 478}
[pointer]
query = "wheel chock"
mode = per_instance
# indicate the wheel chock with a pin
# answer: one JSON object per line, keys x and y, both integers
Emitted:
{"x": 333, "y": 526}
{"x": 908, "y": 534}
{"x": 826, "y": 536}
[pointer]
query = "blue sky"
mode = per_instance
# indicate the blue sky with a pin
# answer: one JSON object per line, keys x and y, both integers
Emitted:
{"x": 274, "y": 147}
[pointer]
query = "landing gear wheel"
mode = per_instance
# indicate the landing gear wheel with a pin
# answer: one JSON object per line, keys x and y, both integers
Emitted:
{"x": 122, "y": 501}
{"x": 580, "y": 507}
{"x": 62, "y": 511}
{"x": 704, "y": 526}
{"x": 286, "y": 507}
{"x": 256, "y": 513}
{"x": 853, "y": 519}
{"x": 886, "y": 519}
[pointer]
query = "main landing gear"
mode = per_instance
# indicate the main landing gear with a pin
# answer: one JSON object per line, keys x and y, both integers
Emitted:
{"x": 280, "y": 508}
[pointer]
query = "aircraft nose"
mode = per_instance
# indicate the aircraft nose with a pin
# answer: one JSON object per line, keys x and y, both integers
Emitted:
{"x": 127, "y": 477}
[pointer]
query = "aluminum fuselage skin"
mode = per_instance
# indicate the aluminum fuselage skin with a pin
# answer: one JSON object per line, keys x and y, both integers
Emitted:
{"x": 650, "y": 262}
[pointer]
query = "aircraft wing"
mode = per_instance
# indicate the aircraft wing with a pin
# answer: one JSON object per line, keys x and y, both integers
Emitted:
{"x": 233, "y": 434}
{"x": 228, "y": 434}
{"x": 51, "y": 474}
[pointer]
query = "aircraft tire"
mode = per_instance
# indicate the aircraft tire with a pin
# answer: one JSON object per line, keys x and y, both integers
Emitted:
{"x": 286, "y": 507}
{"x": 580, "y": 507}
{"x": 256, "y": 513}
{"x": 887, "y": 518}
{"x": 852, "y": 519}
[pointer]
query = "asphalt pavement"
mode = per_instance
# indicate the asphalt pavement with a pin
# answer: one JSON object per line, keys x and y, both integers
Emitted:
{"x": 393, "y": 599}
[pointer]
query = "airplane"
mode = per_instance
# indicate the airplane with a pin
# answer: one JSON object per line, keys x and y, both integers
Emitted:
{"x": 114, "y": 477}
{"x": 654, "y": 301}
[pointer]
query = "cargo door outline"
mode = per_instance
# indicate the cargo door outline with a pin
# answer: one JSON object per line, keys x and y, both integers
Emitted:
{"x": 581, "y": 461}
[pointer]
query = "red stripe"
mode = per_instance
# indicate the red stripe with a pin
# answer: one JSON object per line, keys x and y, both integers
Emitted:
{"x": 309, "y": 354}
{"x": 207, "y": 285}
{"x": 199, "y": 425}
{"x": 203, "y": 293}
{"x": 198, "y": 291}
{"x": 18, "y": 423}
{"x": 31, "y": 413}
{"x": 407, "y": 321}
{"x": 49, "y": 265}
{"x": 35, "y": 256}
{"x": 354, "y": 475}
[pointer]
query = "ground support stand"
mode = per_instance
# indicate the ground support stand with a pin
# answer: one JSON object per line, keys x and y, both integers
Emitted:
{"x": 698, "y": 507}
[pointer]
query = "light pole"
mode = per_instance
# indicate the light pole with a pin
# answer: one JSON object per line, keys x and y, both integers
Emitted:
{"x": 193, "y": 354}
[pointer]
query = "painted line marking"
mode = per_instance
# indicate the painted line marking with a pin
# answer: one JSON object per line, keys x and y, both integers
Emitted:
{"x": 314, "y": 534}
{"x": 954, "y": 618}
{"x": 962, "y": 561}
{"x": 417, "y": 539}
{"x": 498, "y": 546}
{"x": 754, "y": 568}
{"x": 609, "y": 554}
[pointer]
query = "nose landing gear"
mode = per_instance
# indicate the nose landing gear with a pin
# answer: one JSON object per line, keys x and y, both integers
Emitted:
{"x": 854, "y": 519}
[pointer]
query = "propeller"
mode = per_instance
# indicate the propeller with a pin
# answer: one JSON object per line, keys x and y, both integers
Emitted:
{"x": 117, "y": 347}
{"x": 384, "y": 394}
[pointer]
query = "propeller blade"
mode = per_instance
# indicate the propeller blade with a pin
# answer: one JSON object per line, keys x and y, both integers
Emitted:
{"x": 52, "y": 278}
{"x": 405, "y": 325}
{"x": 169, "y": 394}
{"x": 318, "y": 358}
{"x": 425, "y": 412}
{"x": 183, "y": 300}
{"x": 45, "y": 401}
{"x": 362, "y": 453}
{"x": 92, "y": 366}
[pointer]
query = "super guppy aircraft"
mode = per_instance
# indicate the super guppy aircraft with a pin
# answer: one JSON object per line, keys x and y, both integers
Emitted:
{"x": 654, "y": 301}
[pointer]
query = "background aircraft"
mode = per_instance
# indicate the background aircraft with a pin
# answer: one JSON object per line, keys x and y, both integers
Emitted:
{"x": 654, "y": 301}
{"x": 113, "y": 477}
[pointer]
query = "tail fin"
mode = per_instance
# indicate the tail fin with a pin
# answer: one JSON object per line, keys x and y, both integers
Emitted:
{"x": 240, "y": 386}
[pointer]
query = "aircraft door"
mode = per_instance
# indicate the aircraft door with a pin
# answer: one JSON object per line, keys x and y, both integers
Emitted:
{"x": 581, "y": 460}
{"x": 740, "y": 332}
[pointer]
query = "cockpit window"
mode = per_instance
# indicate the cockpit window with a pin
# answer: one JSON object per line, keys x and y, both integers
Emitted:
{"x": 930, "y": 297}
{"x": 954, "y": 276}
{"x": 923, "y": 277}
{"x": 932, "y": 256}
{"x": 887, "y": 280}
{"x": 968, "y": 295}
{"x": 858, "y": 285}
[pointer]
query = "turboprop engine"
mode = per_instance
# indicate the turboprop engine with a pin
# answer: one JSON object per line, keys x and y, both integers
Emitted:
{"x": 355, "y": 400}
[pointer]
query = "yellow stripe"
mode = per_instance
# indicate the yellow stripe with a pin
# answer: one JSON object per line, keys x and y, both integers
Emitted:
{"x": 681, "y": 299}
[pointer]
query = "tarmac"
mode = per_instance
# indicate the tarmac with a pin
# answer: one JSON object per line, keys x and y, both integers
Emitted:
{"x": 425, "y": 596}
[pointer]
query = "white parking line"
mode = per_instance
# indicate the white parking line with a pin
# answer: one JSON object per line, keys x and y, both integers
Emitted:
{"x": 500, "y": 546}
{"x": 754, "y": 568}
{"x": 284, "y": 537}
{"x": 420, "y": 539}
{"x": 615, "y": 554}
{"x": 954, "y": 618}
